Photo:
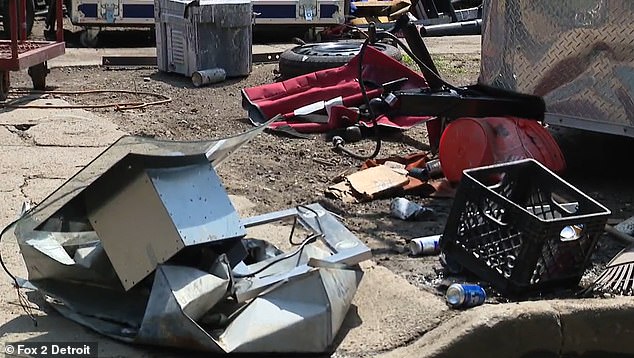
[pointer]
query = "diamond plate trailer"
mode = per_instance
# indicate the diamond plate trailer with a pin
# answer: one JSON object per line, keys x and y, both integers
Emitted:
{"x": 577, "y": 54}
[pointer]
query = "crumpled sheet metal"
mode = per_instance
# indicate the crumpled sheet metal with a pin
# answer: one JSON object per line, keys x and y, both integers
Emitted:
{"x": 297, "y": 305}
{"x": 577, "y": 54}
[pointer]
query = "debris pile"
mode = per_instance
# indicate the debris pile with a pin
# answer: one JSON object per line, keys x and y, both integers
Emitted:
{"x": 143, "y": 245}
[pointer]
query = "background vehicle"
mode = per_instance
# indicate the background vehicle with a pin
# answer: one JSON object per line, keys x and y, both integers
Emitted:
{"x": 94, "y": 15}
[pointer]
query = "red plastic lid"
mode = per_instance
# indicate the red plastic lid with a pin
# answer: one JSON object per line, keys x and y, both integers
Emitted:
{"x": 465, "y": 143}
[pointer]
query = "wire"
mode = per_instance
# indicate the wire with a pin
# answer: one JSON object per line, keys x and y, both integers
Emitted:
{"x": 303, "y": 244}
{"x": 290, "y": 237}
{"x": 321, "y": 231}
{"x": 118, "y": 106}
{"x": 366, "y": 99}
{"x": 23, "y": 301}
{"x": 4, "y": 267}
{"x": 308, "y": 240}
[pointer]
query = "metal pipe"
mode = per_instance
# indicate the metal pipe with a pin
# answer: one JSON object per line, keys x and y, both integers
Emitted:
{"x": 473, "y": 27}
{"x": 23, "y": 21}
{"x": 417, "y": 45}
{"x": 13, "y": 18}
{"x": 60, "y": 21}
{"x": 621, "y": 236}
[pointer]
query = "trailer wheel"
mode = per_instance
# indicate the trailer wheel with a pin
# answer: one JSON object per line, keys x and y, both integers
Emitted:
{"x": 89, "y": 37}
{"x": 4, "y": 85}
{"x": 38, "y": 76}
{"x": 6, "y": 23}
{"x": 309, "y": 58}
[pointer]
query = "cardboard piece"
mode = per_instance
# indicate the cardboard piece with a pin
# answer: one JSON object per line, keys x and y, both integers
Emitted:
{"x": 368, "y": 184}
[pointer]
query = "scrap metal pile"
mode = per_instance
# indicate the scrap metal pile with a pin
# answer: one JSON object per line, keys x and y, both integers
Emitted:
{"x": 143, "y": 245}
{"x": 515, "y": 223}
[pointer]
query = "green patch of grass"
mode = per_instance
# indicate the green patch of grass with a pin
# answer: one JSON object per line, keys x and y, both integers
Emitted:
{"x": 443, "y": 64}
{"x": 448, "y": 66}
{"x": 408, "y": 61}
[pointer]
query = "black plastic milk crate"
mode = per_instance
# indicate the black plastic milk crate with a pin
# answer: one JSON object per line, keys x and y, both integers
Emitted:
{"x": 521, "y": 227}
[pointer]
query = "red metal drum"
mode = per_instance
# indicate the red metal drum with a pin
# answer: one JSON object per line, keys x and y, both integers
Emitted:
{"x": 475, "y": 142}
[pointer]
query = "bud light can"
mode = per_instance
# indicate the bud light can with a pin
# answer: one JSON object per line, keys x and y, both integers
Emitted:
{"x": 465, "y": 295}
{"x": 428, "y": 245}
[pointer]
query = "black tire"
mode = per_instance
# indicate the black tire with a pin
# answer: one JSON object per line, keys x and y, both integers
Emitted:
{"x": 6, "y": 23}
{"x": 309, "y": 58}
{"x": 38, "y": 76}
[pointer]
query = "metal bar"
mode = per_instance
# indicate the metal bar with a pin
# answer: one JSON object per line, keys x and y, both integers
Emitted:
{"x": 151, "y": 60}
{"x": 417, "y": 45}
{"x": 486, "y": 102}
{"x": 60, "y": 21}
{"x": 268, "y": 218}
{"x": 589, "y": 124}
{"x": 266, "y": 57}
{"x": 471, "y": 27}
{"x": 22, "y": 17}
{"x": 623, "y": 237}
{"x": 40, "y": 55}
{"x": 13, "y": 19}
{"x": 128, "y": 61}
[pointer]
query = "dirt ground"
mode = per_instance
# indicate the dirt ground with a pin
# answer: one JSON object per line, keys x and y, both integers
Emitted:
{"x": 278, "y": 172}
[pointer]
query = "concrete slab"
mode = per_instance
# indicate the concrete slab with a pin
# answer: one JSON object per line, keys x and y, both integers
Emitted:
{"x": 33, "y": 116}
{"x": 389, "y": 311}
{"x": 85, "y": 130}
{"x": 10, "y": 182}
{"x": 509, "y": 330}
{"x": 37, "y": 189}
{"x": 92, "y": 56}
{"x": 9, "y": 138}
{"x": 10, "y": 205}
{"x": 45, "y": 162}
{"x": 596, "y": 325}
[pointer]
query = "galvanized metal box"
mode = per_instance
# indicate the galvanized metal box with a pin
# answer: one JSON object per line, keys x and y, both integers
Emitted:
{"x": 147, "y": 215}
{"x": 200, "y": 35}
{"x": 577, "y": 54}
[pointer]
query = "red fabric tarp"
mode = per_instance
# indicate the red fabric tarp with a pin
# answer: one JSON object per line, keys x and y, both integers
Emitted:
{"x": 266, "y": 101}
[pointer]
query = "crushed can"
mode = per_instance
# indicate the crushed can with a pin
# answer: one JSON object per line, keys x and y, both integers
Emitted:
{"x": 462, "y": 295}
{"x": 428, "y": 245}
{"x": 404, "y": 209}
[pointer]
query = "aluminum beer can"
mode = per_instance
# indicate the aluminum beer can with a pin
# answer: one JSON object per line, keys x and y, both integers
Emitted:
{"x": 428, "y": 245}
{"x": 465, "y": 295}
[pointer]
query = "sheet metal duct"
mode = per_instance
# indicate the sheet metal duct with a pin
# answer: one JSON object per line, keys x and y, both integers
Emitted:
{"x": 144, "y": 216}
